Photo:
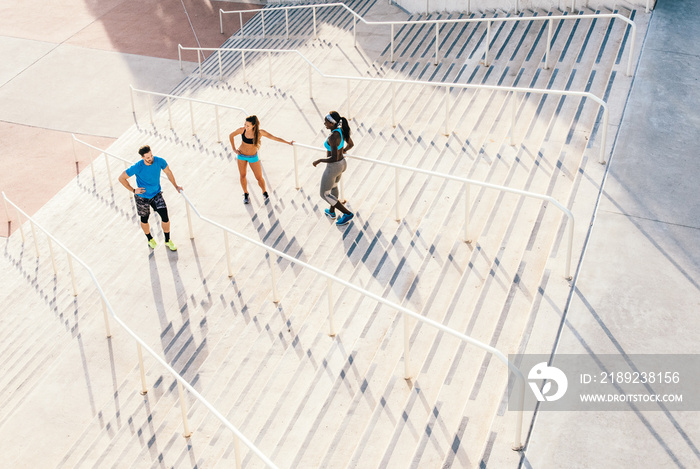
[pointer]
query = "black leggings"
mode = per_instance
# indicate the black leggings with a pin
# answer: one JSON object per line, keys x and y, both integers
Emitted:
{"x": 163, "y": 212}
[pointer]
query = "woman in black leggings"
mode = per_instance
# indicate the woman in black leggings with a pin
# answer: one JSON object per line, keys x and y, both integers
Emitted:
{"x": 337, "y": 143}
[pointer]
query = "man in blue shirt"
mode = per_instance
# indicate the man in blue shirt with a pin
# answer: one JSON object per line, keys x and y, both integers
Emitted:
{"x": 148, "y": 193}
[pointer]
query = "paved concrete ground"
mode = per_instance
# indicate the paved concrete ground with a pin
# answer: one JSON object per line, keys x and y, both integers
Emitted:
{"x": 66, "y": 67}
{"x": 638, "y": 290}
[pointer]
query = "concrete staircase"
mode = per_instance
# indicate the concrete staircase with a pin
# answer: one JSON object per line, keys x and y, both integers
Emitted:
{"x": 305, "y": 398}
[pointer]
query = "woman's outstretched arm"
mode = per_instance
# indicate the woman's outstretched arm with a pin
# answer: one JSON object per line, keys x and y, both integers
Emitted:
{"x": 265, "y": 133}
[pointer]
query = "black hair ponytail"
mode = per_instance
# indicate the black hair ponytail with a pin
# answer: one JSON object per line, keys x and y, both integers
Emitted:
{"x": 345, "y": 128}
{"x": 342, "y": 123}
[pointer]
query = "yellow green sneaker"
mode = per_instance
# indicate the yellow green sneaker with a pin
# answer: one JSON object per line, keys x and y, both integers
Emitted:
{"x": 171, "y": 245}
{"x": 152, "y": 243}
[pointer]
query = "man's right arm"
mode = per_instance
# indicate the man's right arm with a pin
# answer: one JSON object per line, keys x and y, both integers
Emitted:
{"x": 124, "y": 179}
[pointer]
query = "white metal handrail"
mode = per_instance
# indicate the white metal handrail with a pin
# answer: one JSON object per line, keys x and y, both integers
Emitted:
{"x": 447, "y": 86}
{"x": 438, "y": 22}
{"x": 170, "y": 97}
{"x": 332, "y": 278}
{"x": 407, "y": 312}
{"x": 467, "y": 182}
{"x": 143, "y": 345}
{"x": 517, "y": 9}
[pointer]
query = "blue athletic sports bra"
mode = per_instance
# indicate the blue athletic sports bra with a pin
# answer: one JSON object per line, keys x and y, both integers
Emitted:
{"x": 246, "y": 139}
{"x": 342, "y": 142}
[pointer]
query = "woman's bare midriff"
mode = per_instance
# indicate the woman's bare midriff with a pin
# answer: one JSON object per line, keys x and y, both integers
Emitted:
{"x": 247, "y": 149}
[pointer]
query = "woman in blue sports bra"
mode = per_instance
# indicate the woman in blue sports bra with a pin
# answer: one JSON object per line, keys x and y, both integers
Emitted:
{"x": 247, "y": 152}
{"x": 337, "y": 144}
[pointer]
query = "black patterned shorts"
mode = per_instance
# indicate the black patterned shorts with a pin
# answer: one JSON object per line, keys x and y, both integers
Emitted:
{"x": 143, "y": 205}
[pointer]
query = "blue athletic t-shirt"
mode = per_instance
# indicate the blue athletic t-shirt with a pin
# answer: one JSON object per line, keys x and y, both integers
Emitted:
{"x": 148, "y": 176}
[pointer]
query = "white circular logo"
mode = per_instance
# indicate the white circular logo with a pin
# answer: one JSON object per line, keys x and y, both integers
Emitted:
{"x": 548, "y": 373}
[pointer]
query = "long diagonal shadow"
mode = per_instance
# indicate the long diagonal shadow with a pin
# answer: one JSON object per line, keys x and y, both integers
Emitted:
{"x": 667, "y": 236}
{"x": 523, "y": 458}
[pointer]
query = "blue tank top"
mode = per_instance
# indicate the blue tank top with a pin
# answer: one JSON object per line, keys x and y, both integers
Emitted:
{"x": 342, "y": 142}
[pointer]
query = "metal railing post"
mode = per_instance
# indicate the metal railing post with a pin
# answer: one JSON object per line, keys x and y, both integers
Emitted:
{"x": 183, "y": 408}
{"x": 269, "y": 66}
{"x": 92, "y": 169}
{"x": 396, "y": 193}
{"x": 571, "y": 245}
{"x": 53, "y": 259}
{"x": 488, "y": 43}
{"x": 75, "y": 152}
{"x": 330, "y": 307}
{"x": 513, "y": 112}
{"x": 447, "y": 110}
{"x": 262, "y": 20}
{"x": 170, "y": 114}
{"x": 109, "y": 171}
{"x": 237, "y": 450}
{"x": 296, "y": 168}
{"x": 221, "y": 71}
{"x": 228, "y": 255}
{"x": 72, "y": 275}
{"x": 275, "y": 296}
{"x": 144, "y": 389}
{"x": 354, "y": 30}
{"x": 245, "y": 78}
{"x": 392, "y": 43}
{"x": 406, "y": 347}
{"x": 19, "y": 223}
{"x": 218, "y": 125}
{"x": 133, "y": 108}
{"x": 467, "y": 209}
{"x": 605, "y": 135}
{"x": 632, "y": 43}
{"x": 286, "y": 23}
{"x": 221, "y": 21}
{"x": 36, "y": 243}
{"x": 189, "y": 219}
{"x": 199, "y": 63}
{"x": 194, "y": 132}
{"x": 311, "y": 91}
{"x": 315, "y": 33}
{"x": 437, "y": 42}
{"x": 179, "y": 55}
{"x": 349, "y": 114}
{"x": 4, "y": 203}
{"x": 393, "y": 104}
{"x": 150, "y": 107}
{"x": 106, "y": 317}
{"x": 520, "y": 389}
{"x": 342, "y": 189}
{"x": 240, "y": 18}
{"x": 549, "y": 44}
